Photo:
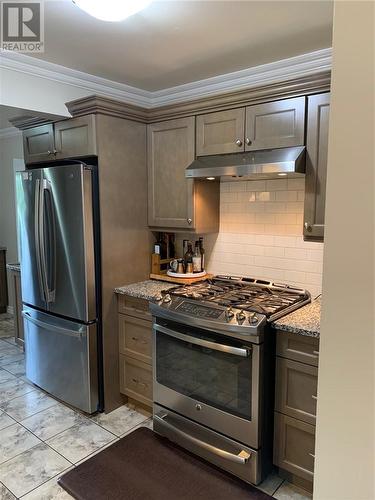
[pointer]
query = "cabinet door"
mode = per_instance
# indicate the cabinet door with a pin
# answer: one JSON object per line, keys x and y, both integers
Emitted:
{"x": 75, "y": 137}
{"x": 294, "y": 445}
{"x": 298, "y": 347}
{"x": 275, "y": 124}
{"x": 135, "y": 338}
{"x": 221, "y": 132}
{"x": 38, "y": 143}
{"x": 296, "y": 388}
{"x": 316, "y": 165}
{"x": 170, "y": 149}
{"x": 136, "y": 379}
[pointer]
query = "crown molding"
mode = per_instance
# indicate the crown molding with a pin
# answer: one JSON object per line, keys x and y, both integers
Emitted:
{"x": 94, "y": 84}
{"x": 258, "y": 76}
{"x": 297, "y": 87}
{"x": 9, "y": 132}
{"x": 266, "y": 74}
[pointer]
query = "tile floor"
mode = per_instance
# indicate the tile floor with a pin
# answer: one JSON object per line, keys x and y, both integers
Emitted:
{"x": 40, "y": 438}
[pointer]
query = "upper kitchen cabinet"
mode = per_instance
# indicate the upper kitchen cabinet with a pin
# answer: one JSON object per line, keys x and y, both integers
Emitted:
{"x": 221, "y": 132}
{"x": 75, "y": 137}
{"x": 316, "y": 165}
{"x": 270, "y": 125}
{"x": 175, "y": 202}
{"x": 69, "y": 138}
{"x": 38, "y": 143}
{"x": 275, "y": 124}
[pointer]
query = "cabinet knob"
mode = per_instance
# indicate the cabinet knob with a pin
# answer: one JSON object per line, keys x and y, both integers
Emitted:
{"x": 55, "y": 151}
{"x": 308, "y": 227}
{"x": 239, "y": 142}
{"x": 248, "y": 141}
{"x": 49, "y": 153}
{"x": 189, "y": 221}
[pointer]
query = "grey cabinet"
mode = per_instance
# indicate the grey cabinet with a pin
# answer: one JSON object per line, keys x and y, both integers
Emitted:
{"x": 296, "y": 389}
{"x": 135, "y": 351}
{"x": 75, "y": 137}
{"x": 316, "y": 165}
{"x": 269, "y": 125}
{"x": 275, "y": 124}
{"x": 175, "y": 202}
{"x": 221, "y": 132}
{"x": 64, "y": 139}
{"x": 38, "y": 143}
{"x": 296, "y": 380}
{"x": 294, "y": 445}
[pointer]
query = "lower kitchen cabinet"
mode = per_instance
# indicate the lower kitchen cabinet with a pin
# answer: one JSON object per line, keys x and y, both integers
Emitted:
{"x": 135, "y": 350}
{"x": 294, "y": 445}
{"x": 296, "y": 381}
{"x": 296, "y": 388}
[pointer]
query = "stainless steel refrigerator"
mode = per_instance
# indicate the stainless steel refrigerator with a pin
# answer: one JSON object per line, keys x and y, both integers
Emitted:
{"x": 60, "y": 276}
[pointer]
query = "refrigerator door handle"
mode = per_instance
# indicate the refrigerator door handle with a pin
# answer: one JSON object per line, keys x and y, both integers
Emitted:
{"x": 37, "y": 237}
{"x": 57, "y": 329}
{"x": 49, "y": 292}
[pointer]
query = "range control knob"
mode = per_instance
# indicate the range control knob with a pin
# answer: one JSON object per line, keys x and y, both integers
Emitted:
{"x": 253, "y": 319}
{"x": 166, "y": 298}
{"x": 159, "y": 298}
{"x": 229, "y": 314}
{"x": 241, "y": 316}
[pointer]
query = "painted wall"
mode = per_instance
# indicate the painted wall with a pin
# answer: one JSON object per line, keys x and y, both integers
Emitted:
{"x": 345, "y": 443}
{"x": 10, "y": 149}
{"x": 261, "y": 234}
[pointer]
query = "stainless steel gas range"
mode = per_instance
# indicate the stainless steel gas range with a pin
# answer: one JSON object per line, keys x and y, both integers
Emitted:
{"x": 214, "y": 369}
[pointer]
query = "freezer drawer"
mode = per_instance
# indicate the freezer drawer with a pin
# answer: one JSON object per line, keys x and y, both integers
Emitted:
{"x": 61, "y": 358}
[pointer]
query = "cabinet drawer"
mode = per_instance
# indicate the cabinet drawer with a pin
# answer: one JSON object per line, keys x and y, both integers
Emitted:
{"x": 135, "y": 338}
{"x": 294, "y": 445}
{"x": 136, "y": 379}
{"x": 134, "y": 307}
{"x": 221, "y": 132}
{"x": 296, "y": 388}
{"x": 298, "y": 348}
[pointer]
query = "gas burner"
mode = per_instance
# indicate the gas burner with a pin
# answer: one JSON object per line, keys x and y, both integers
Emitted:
{"x": 247, "y": 294}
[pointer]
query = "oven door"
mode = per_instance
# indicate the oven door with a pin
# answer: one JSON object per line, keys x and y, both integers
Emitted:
{"x": 209, "y": 378}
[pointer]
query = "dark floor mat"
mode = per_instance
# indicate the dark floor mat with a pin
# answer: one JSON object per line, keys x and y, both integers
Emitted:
{"x": 145, "y": 466}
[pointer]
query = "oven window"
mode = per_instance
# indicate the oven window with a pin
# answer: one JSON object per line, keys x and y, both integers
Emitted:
{"x": 213, "y": 377}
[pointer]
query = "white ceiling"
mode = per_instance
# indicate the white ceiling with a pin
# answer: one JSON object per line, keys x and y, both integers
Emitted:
{"x": 172, "y": 42}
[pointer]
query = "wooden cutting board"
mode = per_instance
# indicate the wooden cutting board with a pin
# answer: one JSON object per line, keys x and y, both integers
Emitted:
{"x": 179, "y": 281}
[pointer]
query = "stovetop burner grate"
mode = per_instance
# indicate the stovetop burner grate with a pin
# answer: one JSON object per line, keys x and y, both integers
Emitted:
{"x": 267, "y": 299}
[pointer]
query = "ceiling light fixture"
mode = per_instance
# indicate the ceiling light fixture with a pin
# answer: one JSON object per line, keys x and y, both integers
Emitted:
{"x": 282, "y": 174}
{"x": 210, "y": 178}
{"x": 112, "y": 10}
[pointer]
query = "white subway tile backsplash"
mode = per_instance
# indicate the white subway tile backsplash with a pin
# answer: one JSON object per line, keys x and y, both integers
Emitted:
{"x": 286, "y": 195}
{"x": 255, "y": 185}
{"x": 296, "y": 184}
{"x": 261, "y": 234}
{"x": 277, "y": 185}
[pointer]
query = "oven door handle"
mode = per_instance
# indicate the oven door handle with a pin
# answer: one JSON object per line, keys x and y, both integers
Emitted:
{"x": 240, "y": 458}
{"x": 237, "y": 351}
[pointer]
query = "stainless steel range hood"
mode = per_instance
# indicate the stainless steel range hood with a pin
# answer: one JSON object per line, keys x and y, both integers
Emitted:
{"x": 265, "y": 164}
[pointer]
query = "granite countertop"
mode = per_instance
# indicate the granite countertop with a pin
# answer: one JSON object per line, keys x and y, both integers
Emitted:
{"x": 148, "y": 289}
{"x": 14, "y": 267}
{"x": 304, "y": 321}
